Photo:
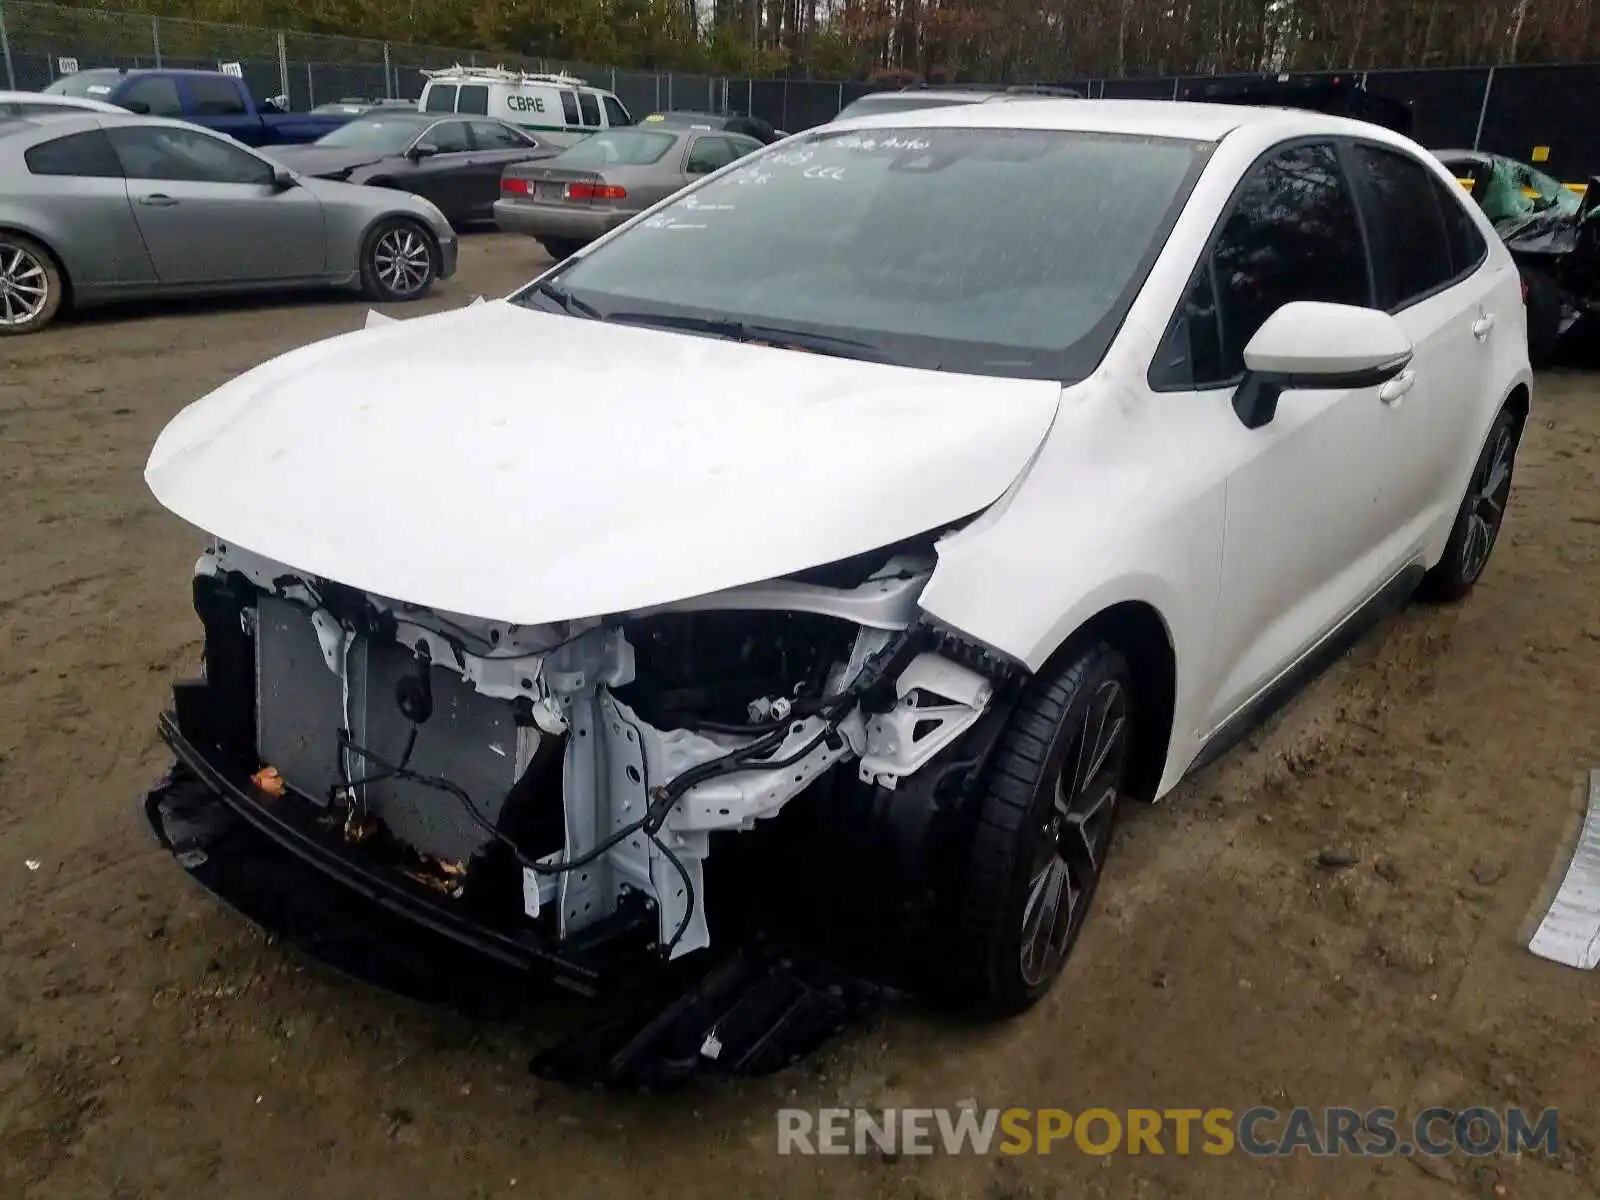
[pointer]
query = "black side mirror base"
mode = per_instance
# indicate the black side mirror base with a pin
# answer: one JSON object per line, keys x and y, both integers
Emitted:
{"x": 1256, "y": 399}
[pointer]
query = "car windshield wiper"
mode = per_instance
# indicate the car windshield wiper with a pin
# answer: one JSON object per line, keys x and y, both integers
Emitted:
{"x": 821, "y": 343}
{"x": 770, "y": 335}
{"x": 717, "y": 327}
{"x": 569, "y": 303}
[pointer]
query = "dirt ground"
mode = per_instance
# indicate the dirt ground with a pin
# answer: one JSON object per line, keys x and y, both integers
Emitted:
{"x": 152, "y": 1044}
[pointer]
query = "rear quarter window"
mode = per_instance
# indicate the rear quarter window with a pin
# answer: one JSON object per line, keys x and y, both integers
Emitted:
{"x": 85, "y": 155}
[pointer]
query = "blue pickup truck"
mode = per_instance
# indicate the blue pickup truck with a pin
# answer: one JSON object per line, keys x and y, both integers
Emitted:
{"x": 209, "y": 98}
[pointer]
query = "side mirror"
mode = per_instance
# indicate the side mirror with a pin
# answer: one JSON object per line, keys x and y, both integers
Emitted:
{"x": 424, "y": 150}
{"x": 1311, "y": 345}
{"x": 282, "y": 178}
{"x": 137, "y": 106}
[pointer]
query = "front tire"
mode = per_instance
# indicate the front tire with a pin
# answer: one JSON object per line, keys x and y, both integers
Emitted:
{"x": 31, "y": 288}
{"x": 1478, "y": 521}
{"x": 398, "y": 261}
{"x": 1045, "y": 822}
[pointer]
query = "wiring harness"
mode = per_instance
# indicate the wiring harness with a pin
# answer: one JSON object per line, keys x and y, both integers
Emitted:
{"x": 415, "y": 702}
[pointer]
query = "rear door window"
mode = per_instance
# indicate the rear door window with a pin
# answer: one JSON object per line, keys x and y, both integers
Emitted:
{"x": 491, "y": 135}
{"x": 590, "y": 108}
{"x": 216, "y": 97}
{"x": 1467, "y": 245}
{"x": 569, "y": 108}
{"x": 709, "y": 154}
{"x": 1405, "y": 226}
{"x": 449, "y": 137}
{"x": 440, "y": 98}
{"x": 153, "y": 95}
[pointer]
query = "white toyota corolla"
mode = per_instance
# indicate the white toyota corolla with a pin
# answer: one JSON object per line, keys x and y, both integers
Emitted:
{"x": 880, "y": 512}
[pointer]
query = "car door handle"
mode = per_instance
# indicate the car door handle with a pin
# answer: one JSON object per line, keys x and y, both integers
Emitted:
{"x": 1482, "y": 326}
{"x": 1391, "y": 392}
{"x": 158, "y": 201}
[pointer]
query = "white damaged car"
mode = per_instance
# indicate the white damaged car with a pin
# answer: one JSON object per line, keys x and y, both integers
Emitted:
{"x": 880, "y": 513}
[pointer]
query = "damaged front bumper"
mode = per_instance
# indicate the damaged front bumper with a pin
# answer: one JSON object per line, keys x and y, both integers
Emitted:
{"x": 415, "y": 797}
{"x": 274, "y": 859}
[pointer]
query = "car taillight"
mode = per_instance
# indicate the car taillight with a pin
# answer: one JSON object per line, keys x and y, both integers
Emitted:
{"x": 595, "y": 191}
{"x": 515, "y": 187}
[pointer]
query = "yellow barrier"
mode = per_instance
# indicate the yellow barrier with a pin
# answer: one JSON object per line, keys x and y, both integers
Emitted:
{"x": 1579, "y": 188}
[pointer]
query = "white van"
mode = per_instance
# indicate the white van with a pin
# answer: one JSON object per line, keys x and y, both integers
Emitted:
{"x": 546, "y": 103}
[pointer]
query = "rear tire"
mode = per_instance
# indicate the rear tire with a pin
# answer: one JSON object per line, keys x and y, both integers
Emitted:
{"x": 1478, "y": 521}
{"x": 31, "y": 287}
{"x": 398, "y": 261}
{"x": 1045, "y": 822}
{"x": 560, "y": 248}
{"x": 1544, "y": 315}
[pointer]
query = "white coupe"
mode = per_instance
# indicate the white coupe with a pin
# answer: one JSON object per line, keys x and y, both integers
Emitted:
{"x": 880, "y": 512}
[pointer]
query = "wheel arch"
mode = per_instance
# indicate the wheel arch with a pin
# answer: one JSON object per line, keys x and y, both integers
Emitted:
{"x": 1143, "y": 636}
{"x": 1518, "y": 402}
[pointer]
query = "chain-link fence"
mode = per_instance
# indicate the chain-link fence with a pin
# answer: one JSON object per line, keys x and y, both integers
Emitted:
{"x": 1549, "y": 114}
{"x": 41, "y": 42}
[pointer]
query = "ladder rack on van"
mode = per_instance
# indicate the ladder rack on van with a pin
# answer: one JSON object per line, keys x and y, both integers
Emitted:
{"x": 501, "y": 75}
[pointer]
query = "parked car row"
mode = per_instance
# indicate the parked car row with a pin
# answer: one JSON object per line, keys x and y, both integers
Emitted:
{"x": 112, "y": 205}
{"x": 566, "y": 189}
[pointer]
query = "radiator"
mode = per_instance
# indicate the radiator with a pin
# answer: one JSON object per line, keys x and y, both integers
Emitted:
{"x": 470, "y": 739}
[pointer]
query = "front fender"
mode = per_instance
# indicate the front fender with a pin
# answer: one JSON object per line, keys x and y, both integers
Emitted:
{"x": 1122, "y": 504}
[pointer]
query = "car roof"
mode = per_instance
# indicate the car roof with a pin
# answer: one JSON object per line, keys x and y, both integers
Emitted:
{"x": 669, "y": 115}
{"x": 396, "y": 113}
{"x": 78, "y": 122}
{"x": 101, "y": 72}
{"x": 1154, "y": 118}
{"x": 56, "y": 100}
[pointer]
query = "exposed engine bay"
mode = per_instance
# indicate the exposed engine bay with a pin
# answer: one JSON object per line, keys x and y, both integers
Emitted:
{"x": 565, "y": 780}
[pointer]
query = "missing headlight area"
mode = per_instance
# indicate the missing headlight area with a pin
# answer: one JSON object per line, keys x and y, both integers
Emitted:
{"x": 546, "y": 791}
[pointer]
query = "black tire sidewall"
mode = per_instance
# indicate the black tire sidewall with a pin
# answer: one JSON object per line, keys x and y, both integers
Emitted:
{"x": 560, "y": 249}
{"x": 1448, "y": 580}
{"x": 374, "y": 287}
{"x": 994, "y": 923}
{"x": 54, "y": 282}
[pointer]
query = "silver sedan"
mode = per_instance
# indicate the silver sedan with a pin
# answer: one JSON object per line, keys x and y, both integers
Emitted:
{"x": 594, "y": 186}
{"x": 101, "y": 207}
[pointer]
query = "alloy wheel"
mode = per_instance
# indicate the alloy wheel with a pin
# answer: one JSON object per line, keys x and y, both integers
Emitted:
{"x": 24, "y": 286}
{"x": 1076, "y": 833}
{"x": 1486, "y": 508}
{"x": 402, "y": 261}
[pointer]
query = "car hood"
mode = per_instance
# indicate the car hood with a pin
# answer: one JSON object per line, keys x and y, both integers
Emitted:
{"x": 319, "y": 160}
{"x": 529, "y": 467}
